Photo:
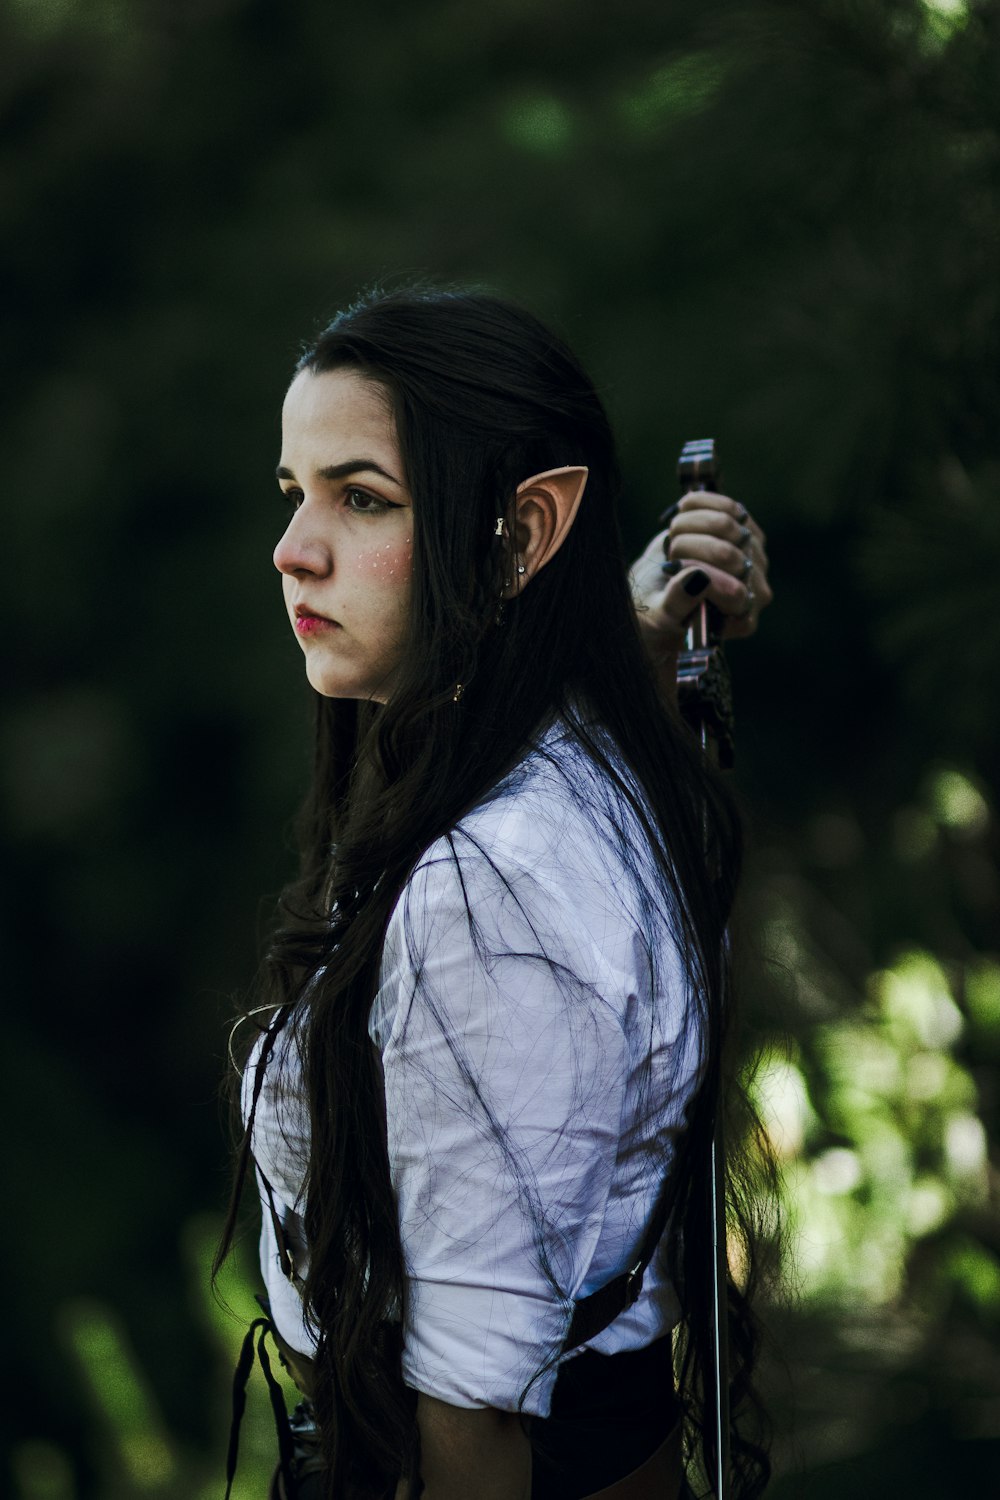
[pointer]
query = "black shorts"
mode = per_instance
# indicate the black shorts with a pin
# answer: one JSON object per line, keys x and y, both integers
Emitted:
{"x": 609, "y": 1414}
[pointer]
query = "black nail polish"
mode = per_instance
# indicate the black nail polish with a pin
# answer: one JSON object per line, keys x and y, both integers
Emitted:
{"x": 670, "y": 569}
{"x": 667, "y": 515}
{"x": 696, "y": 583}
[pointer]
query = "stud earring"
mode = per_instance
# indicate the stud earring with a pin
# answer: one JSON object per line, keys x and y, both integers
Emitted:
{"x": 521, "y": 568}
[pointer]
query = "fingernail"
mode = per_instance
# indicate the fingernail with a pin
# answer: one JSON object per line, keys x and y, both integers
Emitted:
{"x": 696, "y": 583}
{"x": 670, "y": 569}
{"x": 667, "y": 515}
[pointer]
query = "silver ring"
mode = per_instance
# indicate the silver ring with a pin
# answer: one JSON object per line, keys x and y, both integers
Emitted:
{"x": 748, "y": 610}
{"x": 747, "y": 566}
{"x": 745, "y": 536}
{"x": 742, "y": 514}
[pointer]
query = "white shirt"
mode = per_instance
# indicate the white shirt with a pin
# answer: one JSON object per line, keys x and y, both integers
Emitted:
{"x": 537, "y": 1071}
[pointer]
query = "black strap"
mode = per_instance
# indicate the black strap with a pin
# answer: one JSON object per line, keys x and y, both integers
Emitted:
{"x": 286, "y": 1259}
{"x": 261, "y": 1327}
{"x": 595, "y": 1312}
{"x": 278, "y": 1408}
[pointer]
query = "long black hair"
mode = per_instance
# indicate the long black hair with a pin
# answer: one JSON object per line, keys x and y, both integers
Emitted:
{"x": 483, "y": 396}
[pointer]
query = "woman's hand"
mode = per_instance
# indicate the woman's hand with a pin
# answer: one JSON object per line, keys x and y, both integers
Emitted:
{"x": 712, "y": 549}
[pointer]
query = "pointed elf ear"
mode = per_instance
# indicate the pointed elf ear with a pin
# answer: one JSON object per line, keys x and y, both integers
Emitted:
{"x": 545, "y": 508}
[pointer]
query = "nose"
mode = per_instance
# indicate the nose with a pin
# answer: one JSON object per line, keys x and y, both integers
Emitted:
{"x": 301, "y": 549}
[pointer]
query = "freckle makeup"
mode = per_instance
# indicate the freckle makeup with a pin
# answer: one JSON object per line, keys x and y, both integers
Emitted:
{"x": 389, "y": 560}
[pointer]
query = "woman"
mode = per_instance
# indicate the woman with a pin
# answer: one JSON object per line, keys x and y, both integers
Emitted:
{"x": 496, "y": 1004}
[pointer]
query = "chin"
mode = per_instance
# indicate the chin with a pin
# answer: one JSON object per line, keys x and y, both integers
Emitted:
{"x": 330, "y": 686}
{"x": 336, "y": 685}
{"x": 369, "y": 682}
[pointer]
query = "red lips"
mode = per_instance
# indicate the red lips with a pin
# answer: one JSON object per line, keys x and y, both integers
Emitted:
{"x": 309, "y": 622}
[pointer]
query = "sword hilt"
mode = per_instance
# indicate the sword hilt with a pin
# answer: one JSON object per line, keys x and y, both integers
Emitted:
{"x": 704, "y": 691}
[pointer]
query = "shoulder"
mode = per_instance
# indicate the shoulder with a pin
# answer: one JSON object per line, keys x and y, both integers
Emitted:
{"x": 563, "y": 802}
{"x": 560, "y": 820}
{"x": 551, "y": 868}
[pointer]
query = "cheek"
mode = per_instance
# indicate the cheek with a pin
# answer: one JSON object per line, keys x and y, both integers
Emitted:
{"x": 382, "y": 575}
{"x": 389, "y": 564}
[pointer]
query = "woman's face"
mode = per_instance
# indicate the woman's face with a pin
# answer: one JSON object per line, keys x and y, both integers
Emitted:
{"x": 346, "y": 556}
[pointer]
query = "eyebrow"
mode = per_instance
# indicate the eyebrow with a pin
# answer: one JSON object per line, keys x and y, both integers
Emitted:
{"x": 342, "y": 471}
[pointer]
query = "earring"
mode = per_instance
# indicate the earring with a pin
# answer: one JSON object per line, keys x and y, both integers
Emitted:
{"x": 521, "y": 568}
{"x": 459, "y": 690}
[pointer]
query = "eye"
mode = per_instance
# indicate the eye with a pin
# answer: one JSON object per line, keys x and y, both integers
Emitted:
{"x": 364, "y": 504}
{"x": 293, "y": 497}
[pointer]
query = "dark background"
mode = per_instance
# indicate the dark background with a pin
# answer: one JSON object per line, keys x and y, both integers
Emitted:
{"x": 777, "y": 223}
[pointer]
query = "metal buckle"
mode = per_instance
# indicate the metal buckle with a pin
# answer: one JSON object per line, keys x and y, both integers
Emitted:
{"x": 633, "y": 1284}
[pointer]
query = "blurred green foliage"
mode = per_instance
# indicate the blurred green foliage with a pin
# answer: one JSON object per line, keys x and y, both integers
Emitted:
{"x": 773, "y": 221}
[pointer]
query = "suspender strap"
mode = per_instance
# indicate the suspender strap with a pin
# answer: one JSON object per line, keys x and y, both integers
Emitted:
{"x": 593, "y": 1313}
{"x": 261, "y": 1327}
{"x": 286, "y": 1259}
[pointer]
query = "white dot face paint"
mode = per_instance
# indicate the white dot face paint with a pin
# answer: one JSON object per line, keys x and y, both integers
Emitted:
{"x": 386, "y": 562}
{"x": 346, "y": 557}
